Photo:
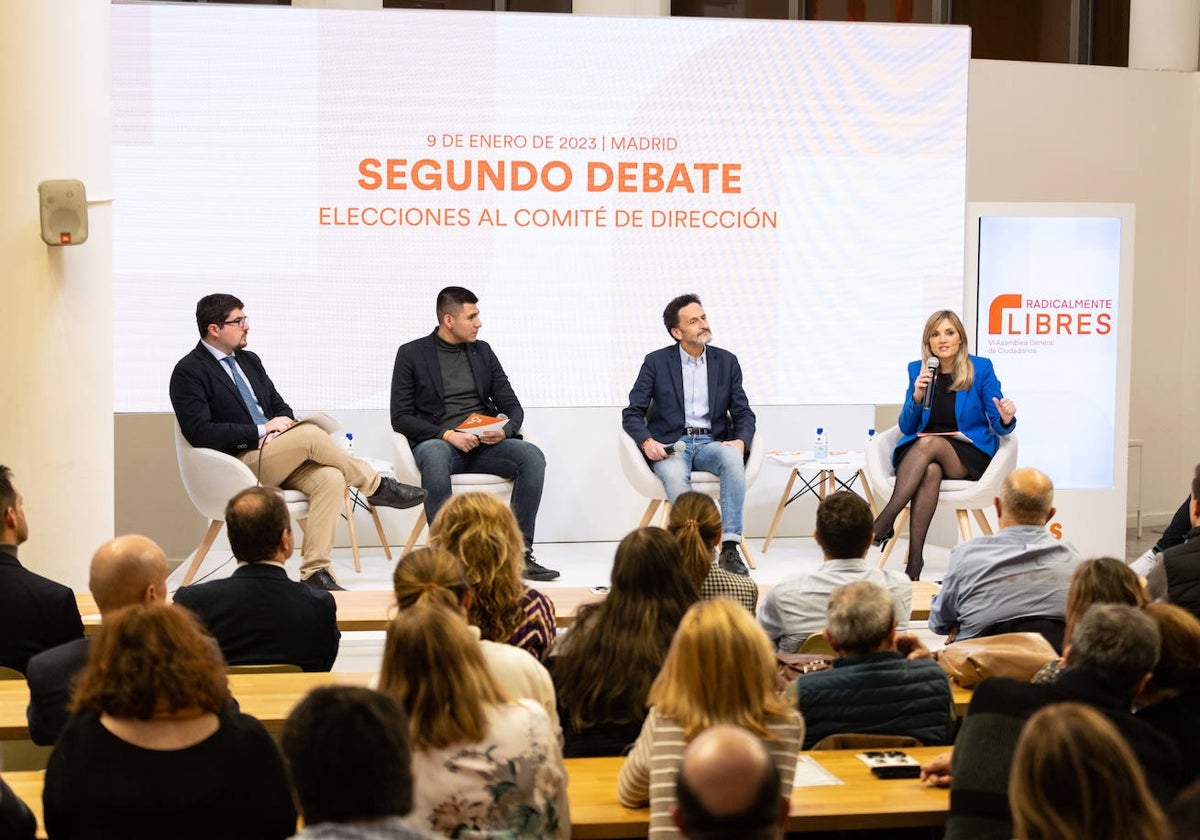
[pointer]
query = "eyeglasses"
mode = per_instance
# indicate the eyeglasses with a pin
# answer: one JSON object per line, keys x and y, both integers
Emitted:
{"x": 241, "y": 322}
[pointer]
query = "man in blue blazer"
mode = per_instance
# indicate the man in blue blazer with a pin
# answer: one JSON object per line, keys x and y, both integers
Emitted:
{"x": 441, "y": 379}
{"x": 224, "y": 400}
{"x": 692, "y": 392}
{"x": 258, "y": 615}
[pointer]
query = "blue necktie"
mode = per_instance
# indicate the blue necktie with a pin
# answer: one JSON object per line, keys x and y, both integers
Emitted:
{"x": 248, "y": 398}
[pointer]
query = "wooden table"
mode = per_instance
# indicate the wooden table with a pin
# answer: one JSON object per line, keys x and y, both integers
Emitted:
{"x": 268, "y": 697}
{"x": 862, "y": 802}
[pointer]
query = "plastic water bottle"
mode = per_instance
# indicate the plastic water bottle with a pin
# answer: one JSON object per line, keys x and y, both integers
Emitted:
{"x": 820, "y": 446}
{"x": 348, "y": 443}
{"x": 870, "y": 436}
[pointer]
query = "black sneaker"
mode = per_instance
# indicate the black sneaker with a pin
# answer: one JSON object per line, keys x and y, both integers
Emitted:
{"x": 536, "y": 571}
{"x": 731, "y": 560}
{"x": 323, "y": 580}
{"x": 391, "y": 493}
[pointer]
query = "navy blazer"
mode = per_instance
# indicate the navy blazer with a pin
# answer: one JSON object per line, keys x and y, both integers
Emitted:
{"x": 36, "y": 613}
{"x": 974, "y": 410}
{"x": 655, "y": 407}
{"x": 418, "y": 398}
{"x": 50, "y": 676}
{"x": 261, "y": 617}
{"x": 208, "y": 406}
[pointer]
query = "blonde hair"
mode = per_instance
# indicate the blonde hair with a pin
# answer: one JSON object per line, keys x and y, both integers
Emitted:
{"x": 695, "y": 523}
{"x": 964, "y": 370}
{"x": 482, "y": 532}
{"x": 434, "y": 666}
{"x": 719, "y": 669}
{"x": 1073, "y": 775}
{"x": 430, "y": 574}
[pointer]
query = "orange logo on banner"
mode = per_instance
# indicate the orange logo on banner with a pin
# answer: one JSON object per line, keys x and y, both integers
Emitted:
{"x": 996, "y": 311}
{"x": 1049, "y": 316}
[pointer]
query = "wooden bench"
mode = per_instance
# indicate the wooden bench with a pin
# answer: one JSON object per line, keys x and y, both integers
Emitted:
{"x": 862, "y": 802}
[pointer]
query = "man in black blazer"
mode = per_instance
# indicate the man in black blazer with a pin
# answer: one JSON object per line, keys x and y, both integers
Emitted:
{"x": 128, "y": 570}
{"x": 36, "y": 613}
{"x": 257, "y": 615}
{"x": 440, "y": 380}
{"x": 224, "y": 400}
{"x": 692, "y": 392}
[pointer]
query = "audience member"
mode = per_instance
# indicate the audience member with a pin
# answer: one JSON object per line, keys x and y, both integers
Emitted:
{"x": 151, "y": 751}
{"x": 794, "y": 609}
{"x": 1016, "y": 579}
{"x": 1184, "y": 814}
{"x": 1175, "y": 573}
{"x": 482, "y": 762}
{"x": 728, "y": 788}
{"x": 351, "y": 767}
{"x": 1112, "y": 653}
{"x": 1073, "y": 777}
{"x": 1172, "y": 697}
{"x": 35, "y": 612}
{"x": 438, "y": 381}
{"x": 128, "y": 570}
{"x": 604, "y": 665}
{"x": 435, "y": 575}
{"x": 696, "y": 523}
{"x": 719, "y": 669}
{"x": 1101, "y": 580}
{"x": 872, "y": 687}
{"x": 224, "y": 400}
{"x": 17, "y": 822}
{"x": 480, "y": 530}
{"x": 257, "y": 615}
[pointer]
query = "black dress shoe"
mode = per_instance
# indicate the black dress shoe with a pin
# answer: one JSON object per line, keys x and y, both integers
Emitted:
{"x": 536, "y": 571}
{"x": 323, "y": 580}
{"x": 881, "y": 542}
{"x": 731, "y": 560}
{"x": 391, "y": 493}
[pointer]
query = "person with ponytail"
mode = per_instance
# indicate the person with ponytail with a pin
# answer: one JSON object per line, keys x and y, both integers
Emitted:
{"x": 695, "y": 523}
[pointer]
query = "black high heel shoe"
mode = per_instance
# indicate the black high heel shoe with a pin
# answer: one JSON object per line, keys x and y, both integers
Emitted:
{"x": 881, "y": 542}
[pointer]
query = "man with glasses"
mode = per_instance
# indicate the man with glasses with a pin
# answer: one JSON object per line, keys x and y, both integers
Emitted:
{"x": 224, "y": 400}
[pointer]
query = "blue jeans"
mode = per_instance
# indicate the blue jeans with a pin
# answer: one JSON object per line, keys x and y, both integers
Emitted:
{"x": 708, "y": 455}
{"x": 511, "y": 458}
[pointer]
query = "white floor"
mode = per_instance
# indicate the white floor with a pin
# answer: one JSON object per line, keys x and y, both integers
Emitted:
{"x": 580, "y": 564}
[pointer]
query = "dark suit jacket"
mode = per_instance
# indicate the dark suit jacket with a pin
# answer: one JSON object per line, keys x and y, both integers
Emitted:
{"x": 35, "y": 614}
{"x": 656, "y": 402}
{"x": 987, "y": 741}
{"x": 207, "y": 404}
{"x": 260, "y": 617}
{"x": 419, "y": 403}
{"x": 50, "y": 676}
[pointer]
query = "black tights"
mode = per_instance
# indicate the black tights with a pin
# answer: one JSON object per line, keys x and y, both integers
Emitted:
{"x": 918, "y": 480}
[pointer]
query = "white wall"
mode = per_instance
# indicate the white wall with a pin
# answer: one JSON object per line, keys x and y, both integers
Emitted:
{"x": 56, "y": 385}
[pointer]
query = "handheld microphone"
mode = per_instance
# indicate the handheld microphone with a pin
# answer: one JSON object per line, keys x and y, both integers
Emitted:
{"x": 931, "y": 365}
{"x": 677, "y": 446}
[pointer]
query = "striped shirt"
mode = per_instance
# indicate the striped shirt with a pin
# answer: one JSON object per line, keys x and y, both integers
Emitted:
{"x": 536, "y": 632}
{"x": 650, "y": 770}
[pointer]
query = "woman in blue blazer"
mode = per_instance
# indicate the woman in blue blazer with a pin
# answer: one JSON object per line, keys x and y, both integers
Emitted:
{"x": 954, "y": 437}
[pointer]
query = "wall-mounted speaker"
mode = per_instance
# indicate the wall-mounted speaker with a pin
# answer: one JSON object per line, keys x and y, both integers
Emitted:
{"x": 64, "y": 212}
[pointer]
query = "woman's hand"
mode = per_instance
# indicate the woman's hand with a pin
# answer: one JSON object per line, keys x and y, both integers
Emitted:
{"x": 1007, "y": 409}
{"x": 921, "y": 383}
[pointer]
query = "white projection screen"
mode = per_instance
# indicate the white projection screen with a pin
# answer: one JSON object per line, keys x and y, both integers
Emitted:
{"x": 335, "y": 169}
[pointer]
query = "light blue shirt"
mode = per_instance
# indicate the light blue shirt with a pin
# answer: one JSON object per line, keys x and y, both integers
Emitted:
{"x": 221, "y": 356}
{"x": 695, "y": 389}
{"x": 1020, "y": 572}
{"x": 795, "y": 608}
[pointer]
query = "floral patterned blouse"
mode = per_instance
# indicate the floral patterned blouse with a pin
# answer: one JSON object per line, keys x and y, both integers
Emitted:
{"x": 512, "y": 784}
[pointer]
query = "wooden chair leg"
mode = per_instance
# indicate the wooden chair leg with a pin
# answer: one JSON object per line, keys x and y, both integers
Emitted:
{"x": 746, "y": 552}
{"x": 787, "y": 491}
{"x": 964, "y": 525}
{"x": 416, "y": 532}
{"x": 666, "y": 515}
{"x": 867, "y": 494}
{"x": 982, "y": 519}
{"x": 901, "y": 521}
{"x": 214, "y": 528}
{"x": 383, "y": 540}
{"x": 649, "y": 514}
{"x": 350, "y": 530}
